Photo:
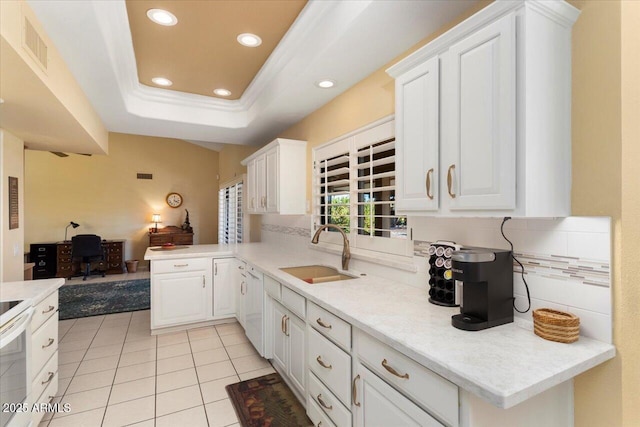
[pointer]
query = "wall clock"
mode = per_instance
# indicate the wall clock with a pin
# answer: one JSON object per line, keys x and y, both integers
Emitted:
{"x": 174, "y": 200}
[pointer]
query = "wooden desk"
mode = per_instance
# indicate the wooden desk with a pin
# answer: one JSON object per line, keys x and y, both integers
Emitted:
{"x": 170, "y": 234}
{"x": 54, "y": 259}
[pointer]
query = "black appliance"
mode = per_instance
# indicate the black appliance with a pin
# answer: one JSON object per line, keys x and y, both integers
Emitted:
{"x": 485, "y": 278}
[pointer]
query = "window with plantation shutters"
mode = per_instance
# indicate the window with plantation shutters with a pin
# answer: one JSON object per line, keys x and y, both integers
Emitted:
{"x": 354, "y": 188}
{"x": 230, "y": 221}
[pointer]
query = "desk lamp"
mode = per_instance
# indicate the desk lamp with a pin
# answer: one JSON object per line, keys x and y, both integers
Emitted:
{"x": 156, "y": 218}
{"x": 71, "y": 224}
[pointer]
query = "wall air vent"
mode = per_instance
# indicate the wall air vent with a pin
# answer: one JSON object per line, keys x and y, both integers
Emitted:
{"x": 145, "y": 176}
{"x": 34, "y": 44}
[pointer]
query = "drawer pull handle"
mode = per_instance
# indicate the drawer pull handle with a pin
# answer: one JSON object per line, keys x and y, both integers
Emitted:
{"x": 324, "y": 405}
{"x": 354, "y": 391}
{"x": 386, "y": 366}
{"x": 282, "y": 323}
{"x": 321, "y": 323}
{"x": 50, "y": 343}
{"x": 242, "y": 287}
{"x": 286, "y": 325}
{"x": 49, "y": 310}
{"x": 48, "y": 380}
{"x": 324, "y": 365}
{"x": 180, "y": 265}
{"x": 450, "y": 181}
{"x": 240, "y": 267}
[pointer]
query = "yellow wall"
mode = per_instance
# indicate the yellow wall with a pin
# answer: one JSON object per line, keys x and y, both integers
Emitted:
{"x": 603, "y": 184}
{"x": 11, "y": 164}
{"x": 230, "y": 158}
{"x": 103, "y": 195}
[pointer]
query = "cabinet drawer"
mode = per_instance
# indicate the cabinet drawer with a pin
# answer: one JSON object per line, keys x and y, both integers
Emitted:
{"x": 436, "y": 394}
{"x": 328, "y": 402}
{"x": 183, "y": 239}
{"x": 44, "y": 342}
{"x": 294, "y": 302}
{"x": 47, "y": 308}
{"x": 44, "y": 378}
{"x": 330, "y": 364}
{"x": 178, "y": 265}
{"x": 316, "y": 415}
{"x": 272, "y": 287}
{"x": 330, "y": 325}
{"x": 46, "y": 397}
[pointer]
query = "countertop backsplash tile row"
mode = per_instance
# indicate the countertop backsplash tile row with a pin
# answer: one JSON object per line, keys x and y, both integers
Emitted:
{"x": 567, "y": 261}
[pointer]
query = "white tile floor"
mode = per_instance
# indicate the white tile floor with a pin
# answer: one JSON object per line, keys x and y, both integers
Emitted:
{"x": 113, "y": 372}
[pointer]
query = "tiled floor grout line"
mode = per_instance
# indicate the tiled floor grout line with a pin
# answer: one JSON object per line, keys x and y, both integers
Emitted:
{"x": 195, "y": 367}
{"x": 104, "y": 415}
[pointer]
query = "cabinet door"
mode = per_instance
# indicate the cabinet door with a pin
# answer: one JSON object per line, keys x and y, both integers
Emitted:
{"x": 279, "y": 339}
{"x": 480, "y": 166}
{"x": 239, "y": 284}
{"x": 251, "y": 186}
{"x": 381, "y": 405}
{"x": 272, "y": 171}
{"x": 417, "y": 138}
{"x": 223, "y": 291}
{"x": 297, "y": 358}
{"x": 261, "y": 183}
{"x": 254, "y": 299}
{"x": 178, "y": 298}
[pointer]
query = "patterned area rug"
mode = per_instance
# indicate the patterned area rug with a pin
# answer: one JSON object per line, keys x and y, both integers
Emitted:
{"x": 94, "y": 299}
{"x": 267, "y": 401}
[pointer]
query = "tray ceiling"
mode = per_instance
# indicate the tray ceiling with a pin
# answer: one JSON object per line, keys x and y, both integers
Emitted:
{"x": 343, "y": 41}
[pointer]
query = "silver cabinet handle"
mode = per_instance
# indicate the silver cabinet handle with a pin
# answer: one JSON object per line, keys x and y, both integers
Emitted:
{"x": 282, "y": 324}
{"x": 49, "y": 310}
{"x": 49, "y": 344}
{"x": 322, "y": 363}
{"x": 386, "y": 366}
{"x": 48, "y": 380}
{"x": 242, "y": 288}
{"x": 181, "y": 265}
{"x": 203, "y": 280}
{"x": 240, "y": 267}
{"x": 286, "y": 325}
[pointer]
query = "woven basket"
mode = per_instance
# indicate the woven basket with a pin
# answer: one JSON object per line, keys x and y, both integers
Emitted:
{"x": 556, "y": 325}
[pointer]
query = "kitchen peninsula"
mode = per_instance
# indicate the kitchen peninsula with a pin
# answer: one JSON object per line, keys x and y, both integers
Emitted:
{"x": 507, "y": 366}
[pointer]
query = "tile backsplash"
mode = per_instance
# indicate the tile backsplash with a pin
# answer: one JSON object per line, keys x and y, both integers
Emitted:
{"x": 567, "y": 261}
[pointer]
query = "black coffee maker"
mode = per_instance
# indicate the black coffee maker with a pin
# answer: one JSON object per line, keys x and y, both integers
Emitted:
{"x": 484, "y": 279}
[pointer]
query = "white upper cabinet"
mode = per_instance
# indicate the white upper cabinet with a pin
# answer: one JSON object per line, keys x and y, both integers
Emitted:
{"x": 480, "y": 157}
{"x": 417, "y": 126}
{"x": 494, "y": 93}
{"x": 276, "y": 176}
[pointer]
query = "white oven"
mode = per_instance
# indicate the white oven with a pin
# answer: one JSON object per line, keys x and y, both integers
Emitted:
{"x": 15, "y": 356}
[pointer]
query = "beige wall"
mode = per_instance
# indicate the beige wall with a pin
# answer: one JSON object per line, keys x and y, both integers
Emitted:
{"x": 103, "y": 195}
{"x": 230, "y": 158}
{"x": 603, "y": 184}
{"x": 11, "y": 164}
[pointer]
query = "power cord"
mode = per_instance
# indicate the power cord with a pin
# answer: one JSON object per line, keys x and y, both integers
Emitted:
{"x": 526, "y": 286}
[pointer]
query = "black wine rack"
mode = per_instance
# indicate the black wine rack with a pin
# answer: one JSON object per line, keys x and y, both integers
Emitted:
{"x": 442, "y": 287}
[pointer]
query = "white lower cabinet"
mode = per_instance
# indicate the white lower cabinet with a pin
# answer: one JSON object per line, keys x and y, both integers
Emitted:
{"x": 179, "y": 298}
{"x": 223, "y": 291}
{"x": 377, "y": 404}
{"x": 288, "y": 343}
{"x": 44, "y": 354}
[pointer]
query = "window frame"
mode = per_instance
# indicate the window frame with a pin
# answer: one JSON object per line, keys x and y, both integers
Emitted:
{"x": 349, "y": 144}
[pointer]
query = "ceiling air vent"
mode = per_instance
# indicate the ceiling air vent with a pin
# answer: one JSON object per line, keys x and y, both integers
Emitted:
{"x": 34, "y": 44}
{"x": 145, "y": 176}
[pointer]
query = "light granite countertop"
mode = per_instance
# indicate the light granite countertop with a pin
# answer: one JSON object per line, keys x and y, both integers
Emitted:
{"x": 505, "y": 365}
{"x": 34, "y": 290}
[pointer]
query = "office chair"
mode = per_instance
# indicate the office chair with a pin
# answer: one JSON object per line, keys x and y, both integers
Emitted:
{"x": 87, "y": 248}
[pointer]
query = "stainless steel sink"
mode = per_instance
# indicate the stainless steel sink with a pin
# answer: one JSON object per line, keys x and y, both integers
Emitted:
{"x": 317, "y": 274}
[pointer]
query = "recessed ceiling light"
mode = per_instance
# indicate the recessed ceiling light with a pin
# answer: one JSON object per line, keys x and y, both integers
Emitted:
{"x": 222, "y": 92}
{"x": 162, "y": 17}
{"x": 249, "y": 40}
{"x": 325, "y": 84}
{"x": 161, "y": 81}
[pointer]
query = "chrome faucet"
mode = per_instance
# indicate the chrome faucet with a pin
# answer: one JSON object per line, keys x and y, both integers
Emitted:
{"x": 346, "y": 253}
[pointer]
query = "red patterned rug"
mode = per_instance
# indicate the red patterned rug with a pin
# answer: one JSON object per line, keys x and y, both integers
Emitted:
{"x": 267, "y": 401}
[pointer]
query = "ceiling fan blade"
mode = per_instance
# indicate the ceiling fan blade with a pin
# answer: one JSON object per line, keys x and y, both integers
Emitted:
{"x": 83, "y": 154}
{"x": 59, "y": 154}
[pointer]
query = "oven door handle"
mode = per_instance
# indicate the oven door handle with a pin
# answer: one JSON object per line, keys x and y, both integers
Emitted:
{"x": 15, "y": 327}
